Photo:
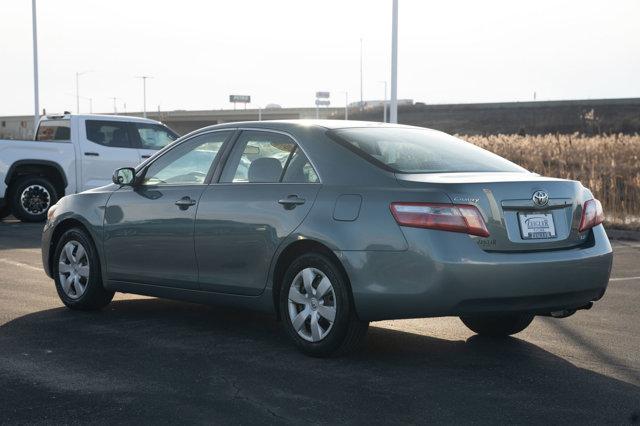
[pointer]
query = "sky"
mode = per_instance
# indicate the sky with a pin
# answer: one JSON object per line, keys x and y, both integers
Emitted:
{"x": 283, "y": 51}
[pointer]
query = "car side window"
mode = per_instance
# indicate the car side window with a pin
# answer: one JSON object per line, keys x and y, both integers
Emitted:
{"x": 113, "y": 134}
{"x": 154, "y": 136}
{"x": 187, "y": 164}
{"x": 258, "y": 157}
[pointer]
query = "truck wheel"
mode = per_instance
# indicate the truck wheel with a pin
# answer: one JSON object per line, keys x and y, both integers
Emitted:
{"x": 497, "y": 325}
{"x": 30, "y": 198}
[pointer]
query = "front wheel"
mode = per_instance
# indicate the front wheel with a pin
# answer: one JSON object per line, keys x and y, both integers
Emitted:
{"x": 316, "y": 308}
{"x": 76, "y": 271}
{"x": 497, "y": 325}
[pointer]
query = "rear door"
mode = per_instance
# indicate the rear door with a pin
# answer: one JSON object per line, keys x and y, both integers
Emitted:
{"x": 266, "y": 189}
{"x": 105, "y": 145}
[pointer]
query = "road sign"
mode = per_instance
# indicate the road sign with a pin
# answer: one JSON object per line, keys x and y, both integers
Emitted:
{"x": 241, "y": 99}
{"x": 322, "y": 103}
{"x": 322, "y": 95}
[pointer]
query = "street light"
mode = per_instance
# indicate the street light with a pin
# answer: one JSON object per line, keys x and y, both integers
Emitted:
{"x": 36, "y": 95}
{"x": 384, "y": 103}
{"x": 78, "y": 74}
{"x": 393, "y": 113}
{"x": 144, "y": 93}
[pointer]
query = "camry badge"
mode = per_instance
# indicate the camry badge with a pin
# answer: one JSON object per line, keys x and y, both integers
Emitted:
{"x": 540, "y": 198}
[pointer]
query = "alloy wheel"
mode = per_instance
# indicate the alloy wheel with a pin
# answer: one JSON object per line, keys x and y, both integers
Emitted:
{"x": 35, "y": 199}
{"x": 312, "y": 304}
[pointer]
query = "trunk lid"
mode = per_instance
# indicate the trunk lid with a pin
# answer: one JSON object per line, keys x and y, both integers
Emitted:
{"x": 515, "y": 222}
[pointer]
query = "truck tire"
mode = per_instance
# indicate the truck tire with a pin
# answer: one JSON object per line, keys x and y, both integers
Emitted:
{"x": 30, "y": 197}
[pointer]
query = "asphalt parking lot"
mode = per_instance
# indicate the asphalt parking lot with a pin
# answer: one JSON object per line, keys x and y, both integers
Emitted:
{"x": 146, "y": 360}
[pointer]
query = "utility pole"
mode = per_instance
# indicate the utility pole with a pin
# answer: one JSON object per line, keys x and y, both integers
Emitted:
{"x": 144, "y": 93}
{"x": 36, "y": 94}
{"x": 78, "y": 74}
{"x": 384, "y": 102}
{"x": 393, "y": 114}
{"x": 346, "y": 105}
{"x": 115, "y": 108}
{"x": 361, "y": 96}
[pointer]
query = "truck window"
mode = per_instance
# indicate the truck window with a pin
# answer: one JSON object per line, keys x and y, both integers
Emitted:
{"x": 53, "y": 131}
{"x": 114, "y": 134}
{"x": 154, "y": 136}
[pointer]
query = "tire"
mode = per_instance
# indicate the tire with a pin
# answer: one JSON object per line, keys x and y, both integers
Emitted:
{"x": 86, "y": 291}
{"x": 497, "y": 325}
{"x": 320, "y": 337}
{"x": 30, "y": 198}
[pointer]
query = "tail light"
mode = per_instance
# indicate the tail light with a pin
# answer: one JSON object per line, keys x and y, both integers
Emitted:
{"x": 445, "y": 217}
{"x": 592, "y": 215}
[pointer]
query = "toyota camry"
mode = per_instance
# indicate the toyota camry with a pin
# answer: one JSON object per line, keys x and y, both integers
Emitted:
{"x": 333, "y": 224}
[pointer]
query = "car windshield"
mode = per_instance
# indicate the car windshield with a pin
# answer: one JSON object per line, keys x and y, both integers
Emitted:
{"x": 412, "y": 150}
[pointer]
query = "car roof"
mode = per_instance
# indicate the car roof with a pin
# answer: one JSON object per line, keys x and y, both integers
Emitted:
{"x": 301, "y": 123}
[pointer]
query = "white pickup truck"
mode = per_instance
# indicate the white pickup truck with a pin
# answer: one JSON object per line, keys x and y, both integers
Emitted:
{"x": 69, "y": 154}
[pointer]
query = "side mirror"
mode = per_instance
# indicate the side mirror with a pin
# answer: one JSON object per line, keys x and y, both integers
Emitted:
{"x": 124, "y": 176}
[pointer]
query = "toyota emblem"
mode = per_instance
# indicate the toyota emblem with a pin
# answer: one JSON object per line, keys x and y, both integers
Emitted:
{"x": 540, "y": 198}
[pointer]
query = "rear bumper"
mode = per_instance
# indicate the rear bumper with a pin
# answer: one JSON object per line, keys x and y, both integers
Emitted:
{"x": 444, "y": 273}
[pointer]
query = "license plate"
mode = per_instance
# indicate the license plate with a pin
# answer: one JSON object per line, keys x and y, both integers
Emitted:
{"x": 536, "y": 226}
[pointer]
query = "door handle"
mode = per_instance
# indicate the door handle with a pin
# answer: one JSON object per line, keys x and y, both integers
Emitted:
{"x": 185, "y": 202}
{"x": 92, "y": 154}
{"x": 291, "y": 202}
{"x": 144, "y": 157}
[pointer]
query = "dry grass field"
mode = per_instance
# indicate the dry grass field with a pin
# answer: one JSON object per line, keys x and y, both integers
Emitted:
{"x": 609, "y": 165}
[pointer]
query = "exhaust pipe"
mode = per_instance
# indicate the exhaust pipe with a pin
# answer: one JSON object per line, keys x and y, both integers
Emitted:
{"x": 564, "y": 313}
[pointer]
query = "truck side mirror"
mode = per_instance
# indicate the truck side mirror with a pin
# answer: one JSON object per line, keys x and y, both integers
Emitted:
{"x": 124, "y": 176}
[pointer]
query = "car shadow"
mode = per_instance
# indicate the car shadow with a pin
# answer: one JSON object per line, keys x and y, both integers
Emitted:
{"x": 153, "y": 360}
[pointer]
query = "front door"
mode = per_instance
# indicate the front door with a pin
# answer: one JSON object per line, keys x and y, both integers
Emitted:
{"x": 266, "y": 189}
{"x": 149, "y": 227}
{"x": 104, "y": 147}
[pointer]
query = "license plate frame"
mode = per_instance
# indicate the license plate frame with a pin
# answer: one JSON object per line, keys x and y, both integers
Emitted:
{"x": 536, "y": 226}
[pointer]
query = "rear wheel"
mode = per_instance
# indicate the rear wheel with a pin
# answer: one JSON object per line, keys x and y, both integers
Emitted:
{"x": 497, "y": 325}
{"x": 30, "y": 198}
{"x": 76, "y": 271}
{"x": 316, "y": 308}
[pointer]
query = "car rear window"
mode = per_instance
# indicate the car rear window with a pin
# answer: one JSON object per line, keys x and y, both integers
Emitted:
{"x": 411, "y": 150}
{"x": 53, "y": 130}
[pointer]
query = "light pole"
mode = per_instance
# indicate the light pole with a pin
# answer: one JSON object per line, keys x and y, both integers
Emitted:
{"x": 361, "y": 100}
{"x": 144, "y": 93}
{"x": 78, "y": 74}
{"x": 393, "y": 113}
{"x": 36, "y": 95}
{"x": 384, "y": 102}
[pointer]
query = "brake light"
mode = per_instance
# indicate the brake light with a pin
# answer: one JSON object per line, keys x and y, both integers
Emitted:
{"x": 445, "y": 217}
{"x": 592, "y": 214}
